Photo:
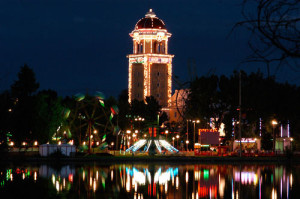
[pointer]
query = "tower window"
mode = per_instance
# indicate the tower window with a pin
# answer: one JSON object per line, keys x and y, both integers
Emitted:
{"x": 157, "y": 73}
{"x": 138, "y": 95}
{"x": 157, "y": 95}
{"x": 157, "y": 84}
{"x": 138, "y": 84}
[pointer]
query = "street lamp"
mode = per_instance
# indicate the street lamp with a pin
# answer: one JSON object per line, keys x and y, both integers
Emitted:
{"x": 187, "y": 144}
{"x": 173, "y": 138}
{"x": 177, "y": 136}
{"x": 274, "y": 123}
{"x": 166, "y": 132}
{"x": 195, "y": 121}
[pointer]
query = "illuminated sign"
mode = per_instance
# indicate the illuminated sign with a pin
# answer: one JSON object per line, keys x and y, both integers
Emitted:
{"x": 136, "y": 60}
{"x": 247, "y": 140}
{"x": 159, "y": 60}
{"x": 208, "y": 130}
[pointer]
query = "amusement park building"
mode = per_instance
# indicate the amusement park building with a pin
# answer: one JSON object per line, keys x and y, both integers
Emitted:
{"x": 150, "y": 65}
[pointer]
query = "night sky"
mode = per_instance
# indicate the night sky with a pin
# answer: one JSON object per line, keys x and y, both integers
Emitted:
{"x": 81, "y": 46}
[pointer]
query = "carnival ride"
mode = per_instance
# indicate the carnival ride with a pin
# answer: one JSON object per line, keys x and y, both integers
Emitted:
{"x": 90, "y": 120}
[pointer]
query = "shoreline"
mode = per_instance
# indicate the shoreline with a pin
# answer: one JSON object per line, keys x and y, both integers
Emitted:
{"x": 153, "y": 159}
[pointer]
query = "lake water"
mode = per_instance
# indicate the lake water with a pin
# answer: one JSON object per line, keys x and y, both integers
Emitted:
{"x": 158, "y": 180}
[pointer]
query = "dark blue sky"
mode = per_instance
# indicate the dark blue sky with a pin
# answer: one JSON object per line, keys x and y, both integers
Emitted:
{"x": 75, "y": 46}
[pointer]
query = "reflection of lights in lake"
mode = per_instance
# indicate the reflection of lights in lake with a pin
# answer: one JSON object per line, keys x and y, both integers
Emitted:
{"x": 64, "y": 183}
{"x": 111, "y": 175}
{"x": 97, "y": 175}
{"x": 35, "y": 176}
{"x": 246, "y": 177}
{"x": 186, "y": 177}
{"x": 159, "y": 176}
{"x": 197, "y": 175}
{"x": 91, "y": 181}
{"x": 23, "y": 176}
{"x": 177, "y": 182}
{"x": 291, "y": 180}
{"x": 57, "y": 186}
{"x": 221, "y": 186}
{"x": 139, "y": 177}
{"x": 166, "y": 188}
{"x": 274, "y": 194}
{"x": 53, "y": 179}
{"x": 94, "y": 185}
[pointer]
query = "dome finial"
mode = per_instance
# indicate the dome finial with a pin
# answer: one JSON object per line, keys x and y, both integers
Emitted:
{"x": 150, "y": 13}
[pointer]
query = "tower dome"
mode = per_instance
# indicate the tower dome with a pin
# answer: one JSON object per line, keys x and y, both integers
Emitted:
{"x": 150, "y": 21}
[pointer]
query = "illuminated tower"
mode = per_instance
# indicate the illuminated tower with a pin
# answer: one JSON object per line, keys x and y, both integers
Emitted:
{"x": 150, "y": 65}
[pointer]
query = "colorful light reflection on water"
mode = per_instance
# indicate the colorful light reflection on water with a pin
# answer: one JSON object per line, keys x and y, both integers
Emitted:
{"x": 153, "y": 181}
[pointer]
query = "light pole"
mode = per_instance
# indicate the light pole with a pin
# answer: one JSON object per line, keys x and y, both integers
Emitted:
{"x": 187, "y": 134}
{"x": 187, "y": 143}
{"x": 274, "y": 122}
{"x": 173, "y": 138}
{"x": 177, "y": 136}
{"x": 128, "y": 132}
{"x": 166, "y": 132}
{"x": 195, "y": 121}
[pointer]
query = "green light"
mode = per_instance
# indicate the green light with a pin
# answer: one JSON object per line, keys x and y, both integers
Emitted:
{"x": 103, "y": 183}
{"x": 206, "y": 174}
{"x": 100, "y": 95}
{"x": 101, "y": 102}
{"x": 271, "y": 178}
{"x": 79, "y": 97}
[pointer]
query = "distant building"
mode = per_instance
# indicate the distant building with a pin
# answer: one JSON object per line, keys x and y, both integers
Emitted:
{"x": 177, "y": 106}
{"x": 150, "y": 65}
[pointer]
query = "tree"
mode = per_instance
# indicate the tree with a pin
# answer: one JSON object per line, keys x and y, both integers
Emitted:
{"x": 207, "y": 101}
{"x": 21, "y": 117}
{"x": 26, "y": 84}
{"x": 274, "y": 28}
{"x": 47, "y": 115}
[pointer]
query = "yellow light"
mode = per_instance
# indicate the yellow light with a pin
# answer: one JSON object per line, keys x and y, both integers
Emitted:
{"x": 274, "y": 122}
{"x": 128, "y": 131}
{"x": 186, "y": 177}
{"x": 177, "y": 136}
{"x": 35, "y": 143}
{"x": 95, "y": 131}
{"x": 129, "y": 83}
{"x": 59, "y": 142}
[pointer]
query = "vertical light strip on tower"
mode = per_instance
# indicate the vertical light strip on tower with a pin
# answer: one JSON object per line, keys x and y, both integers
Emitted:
{"x": 129, "y": 82}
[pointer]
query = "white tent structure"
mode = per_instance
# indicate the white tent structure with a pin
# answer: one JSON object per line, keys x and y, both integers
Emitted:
{"x": 147, "y": 143}
{"x": 48, "y": 149}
